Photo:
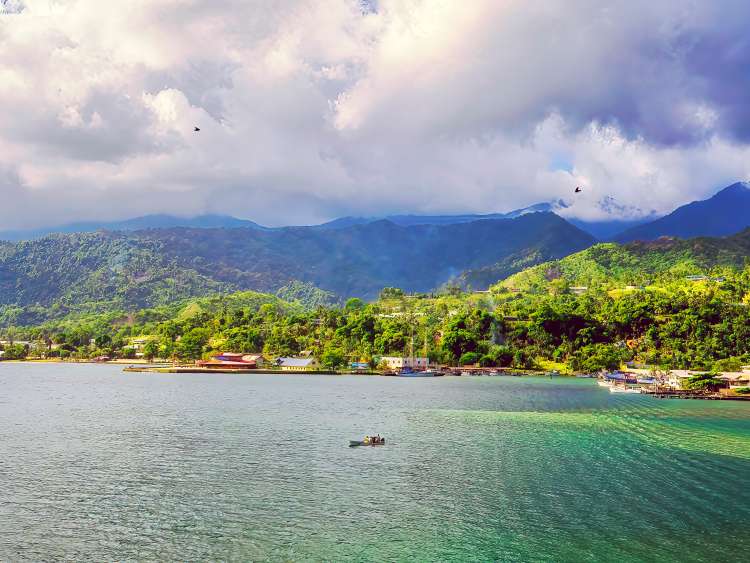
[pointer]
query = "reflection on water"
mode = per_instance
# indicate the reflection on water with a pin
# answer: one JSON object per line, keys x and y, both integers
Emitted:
{"x": 97, "y": 464}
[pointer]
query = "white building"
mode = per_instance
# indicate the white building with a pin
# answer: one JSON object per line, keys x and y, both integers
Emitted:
{"x": 298, "y": 364}
{"x": 398, "y": 362}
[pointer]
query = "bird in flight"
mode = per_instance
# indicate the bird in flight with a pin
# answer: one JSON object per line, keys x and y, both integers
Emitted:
{"x": 578, "y": 189}
{"x": 196, "y": 129}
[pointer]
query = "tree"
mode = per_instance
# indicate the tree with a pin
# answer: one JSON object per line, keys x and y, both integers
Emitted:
{"x": 391, "y": 293}
{"x": 151, "y": 349}
{"x": 333, "y": 357}
{"x": 702, "y": 382}
{"x": 190, "y": 346}
{"x": 354, "y": 304}
{"x": 15, "y": 352}
{"x": 595, "y": 357}
{"x": 469, "y": 358}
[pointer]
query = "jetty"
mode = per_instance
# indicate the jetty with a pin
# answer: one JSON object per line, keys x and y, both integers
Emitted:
{"x": 665, "y": 393}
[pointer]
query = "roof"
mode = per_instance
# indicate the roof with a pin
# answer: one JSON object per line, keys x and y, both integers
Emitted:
{"x": 296, "y": 362}
{"x": 734, "y": 376}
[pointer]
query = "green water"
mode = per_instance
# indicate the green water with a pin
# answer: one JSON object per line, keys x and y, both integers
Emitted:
{"x": 96, "y": 464}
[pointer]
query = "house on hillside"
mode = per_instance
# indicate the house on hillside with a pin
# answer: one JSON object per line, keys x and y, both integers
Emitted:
{"x": 579, "y": 290}
{"x": 696, "y": 278}
{"x": 298, "y": 364}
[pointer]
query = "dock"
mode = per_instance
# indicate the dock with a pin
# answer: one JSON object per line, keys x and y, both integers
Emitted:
{"x": 695, "y": 395}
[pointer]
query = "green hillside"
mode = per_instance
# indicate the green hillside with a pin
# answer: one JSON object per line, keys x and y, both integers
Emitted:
{"x": 105, "y": 271}
{"x": 639, "y": 263}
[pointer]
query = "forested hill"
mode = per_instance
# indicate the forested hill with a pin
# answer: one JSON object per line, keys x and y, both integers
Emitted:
{"x": 639, "y": 263}
{"x": 126, "y": 270}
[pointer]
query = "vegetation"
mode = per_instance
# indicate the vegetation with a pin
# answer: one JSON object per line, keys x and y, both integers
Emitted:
{"x": 95, "y": 273}
{"x": 589, "y": 311}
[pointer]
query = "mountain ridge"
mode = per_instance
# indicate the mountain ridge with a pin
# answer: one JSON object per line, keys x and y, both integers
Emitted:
{"x": 725, "y": 213}
{"x": 155, "y": 221}
{"x": 125, "y": 270}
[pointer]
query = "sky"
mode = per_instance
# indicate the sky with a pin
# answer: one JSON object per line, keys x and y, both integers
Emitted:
{"x": 314, "y": 109}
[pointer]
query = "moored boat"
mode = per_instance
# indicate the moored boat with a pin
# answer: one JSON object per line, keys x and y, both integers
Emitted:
{"x": 624, "y": 389}
{"x": 408, "y": 372}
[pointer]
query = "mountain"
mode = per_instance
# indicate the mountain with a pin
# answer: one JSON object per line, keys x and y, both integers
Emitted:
{"x": 602, "y": 229}
{"x": 638, "y": 263}
{"x": 135, "y": 224}
{"x": 109, "y": 270}
{"x": 413, "y": 220}
{"x": 725, "y": 213}
{"x": 607, "y": 229}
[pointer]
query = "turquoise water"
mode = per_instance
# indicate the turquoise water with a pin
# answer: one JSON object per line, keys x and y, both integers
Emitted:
{"x": 96, "y": 464}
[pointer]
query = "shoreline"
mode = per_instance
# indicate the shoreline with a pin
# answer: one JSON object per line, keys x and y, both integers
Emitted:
{"x": 143, "y": 366}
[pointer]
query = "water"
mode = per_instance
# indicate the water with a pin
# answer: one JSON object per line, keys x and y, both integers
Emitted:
{"x": 96, "y": 464}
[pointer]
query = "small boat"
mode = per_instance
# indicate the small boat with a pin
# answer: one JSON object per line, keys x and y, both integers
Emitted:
{"x": 408, "y": 372}
{"x": 620, "y": 389}
{"x": 367, "y": 442}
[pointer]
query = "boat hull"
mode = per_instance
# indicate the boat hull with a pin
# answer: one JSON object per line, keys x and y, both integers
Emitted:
{"x": 357, "y": 443}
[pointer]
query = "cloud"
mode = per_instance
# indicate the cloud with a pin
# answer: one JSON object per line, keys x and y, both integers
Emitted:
{"x": 316, "y": 108}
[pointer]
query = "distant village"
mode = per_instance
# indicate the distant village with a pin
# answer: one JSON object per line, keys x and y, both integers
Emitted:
{"x": 632, "y": 378}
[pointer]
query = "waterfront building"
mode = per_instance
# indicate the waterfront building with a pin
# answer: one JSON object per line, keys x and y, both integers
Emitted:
{"x": 298, "y": 364}
{"x": 233, "y": 360}
{"x": 399, "y": 362}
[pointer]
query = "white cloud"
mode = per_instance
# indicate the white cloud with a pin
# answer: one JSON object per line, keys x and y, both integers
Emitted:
{"x": 315, "y": 108}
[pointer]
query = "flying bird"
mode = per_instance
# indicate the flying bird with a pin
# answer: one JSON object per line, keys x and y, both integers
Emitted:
{"x": 578, "y": 189}
{"x": 196, "y": 129}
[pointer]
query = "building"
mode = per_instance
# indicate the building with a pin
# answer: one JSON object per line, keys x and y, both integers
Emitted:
{"x": 737, "y": 379}
{"x": 579, "y": 290}
{"x": 258, "y": 359}
{"x": 298, "y": 364}
{"x": 233, "y": 360}
{"x": 399, "y": 362}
